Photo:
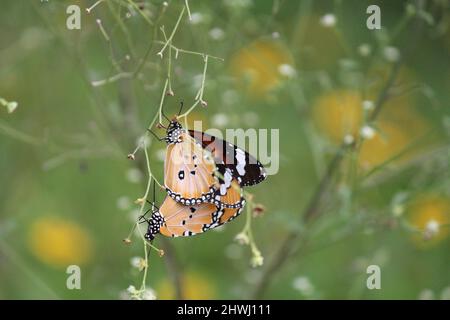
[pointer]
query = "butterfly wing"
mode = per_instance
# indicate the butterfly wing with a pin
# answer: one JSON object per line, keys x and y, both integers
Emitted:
{"x": 230, "y": 214}
{"x": 189, "y": 172}
{"x": 229, "y": 194}
{"x": 182, "y": 221}
{"x": 243, "y": 166}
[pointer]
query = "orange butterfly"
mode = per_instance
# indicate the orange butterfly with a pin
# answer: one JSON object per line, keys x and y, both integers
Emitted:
{"x": 200, "y": 168}
{"x": 174, "y": 219}
{"x": 203, "y": 176}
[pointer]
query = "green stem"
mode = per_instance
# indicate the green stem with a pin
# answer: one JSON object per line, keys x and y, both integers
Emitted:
{"x": 136, "y": 7}
{"x": 160, "y": 53}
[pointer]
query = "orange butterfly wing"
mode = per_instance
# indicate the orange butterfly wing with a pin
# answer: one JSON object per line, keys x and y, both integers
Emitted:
{"x": 229, "y": 195}
{"x": 183, "y": 221}
{"x": 229, "y": 214}
{"x": 189, "y": 172}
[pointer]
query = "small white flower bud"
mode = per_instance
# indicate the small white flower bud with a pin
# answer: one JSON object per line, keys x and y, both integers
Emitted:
{"x": 368, "y": 105}
{"x": 242, "y": 238}
{"x": 328, "y": 20}
{"x": 348, "y": 139}
{"x": 367, "y": 132}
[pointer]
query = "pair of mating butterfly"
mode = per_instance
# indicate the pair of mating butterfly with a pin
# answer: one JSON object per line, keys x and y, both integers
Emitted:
{"x": 203, "y": 177}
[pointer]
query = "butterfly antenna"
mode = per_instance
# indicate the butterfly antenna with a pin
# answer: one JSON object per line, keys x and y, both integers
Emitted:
{"x": 154, "y": 190}
{"x": 152, "y": 203}
{"x": 164, "y": 115}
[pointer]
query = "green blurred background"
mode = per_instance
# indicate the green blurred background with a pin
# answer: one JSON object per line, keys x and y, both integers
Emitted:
{"x": 311, "y": 69}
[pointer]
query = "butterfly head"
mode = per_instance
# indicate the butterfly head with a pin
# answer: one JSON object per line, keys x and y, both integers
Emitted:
{"x": 174, "y": 131}
{"x": 154, "y": 225}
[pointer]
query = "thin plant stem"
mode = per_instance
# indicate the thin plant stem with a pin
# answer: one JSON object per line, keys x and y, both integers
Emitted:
{"x": 160, "y": 53}
{"x": 136, "y": 7}
{"x": 311, "y": 212}
{"x": 177, "y": 50}
{"x": 199, "y": 95}
{"x": 186, "y": 3}
{"x": 150, "y": 47}
{"x": 163, "y": 94}
{"x": 89, "y": 10}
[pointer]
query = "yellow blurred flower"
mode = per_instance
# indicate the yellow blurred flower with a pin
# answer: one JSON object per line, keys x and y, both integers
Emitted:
{"x": 338, "y": 113}
{"x": 430, "y": 214}
{"x": 261, "y": 66}
{"x": 387, "y": 142}
{"x": 398, "y": 130}
{"x": 195, "y": 287}
{"x": 59, "y": 242}
{"x": 396, "y": 104}
{"x": 320, "y": 45}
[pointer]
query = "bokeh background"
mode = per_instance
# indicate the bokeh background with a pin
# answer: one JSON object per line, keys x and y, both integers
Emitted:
{"x": 311, "y": 69}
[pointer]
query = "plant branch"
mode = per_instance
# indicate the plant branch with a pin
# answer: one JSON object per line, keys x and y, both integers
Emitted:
{"x": 169, "y": 40}
{"x": 311, "y": 212}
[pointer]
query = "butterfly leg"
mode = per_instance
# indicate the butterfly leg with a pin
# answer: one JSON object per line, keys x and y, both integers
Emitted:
{"x": 143, "y": 219}
{"x": 155, "y": 135}
{"x": 152, "y": 203}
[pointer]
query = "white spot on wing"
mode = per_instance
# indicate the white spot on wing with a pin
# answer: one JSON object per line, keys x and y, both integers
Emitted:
{"x": 240, "y": 158}
{"x": 227, "y": 178}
